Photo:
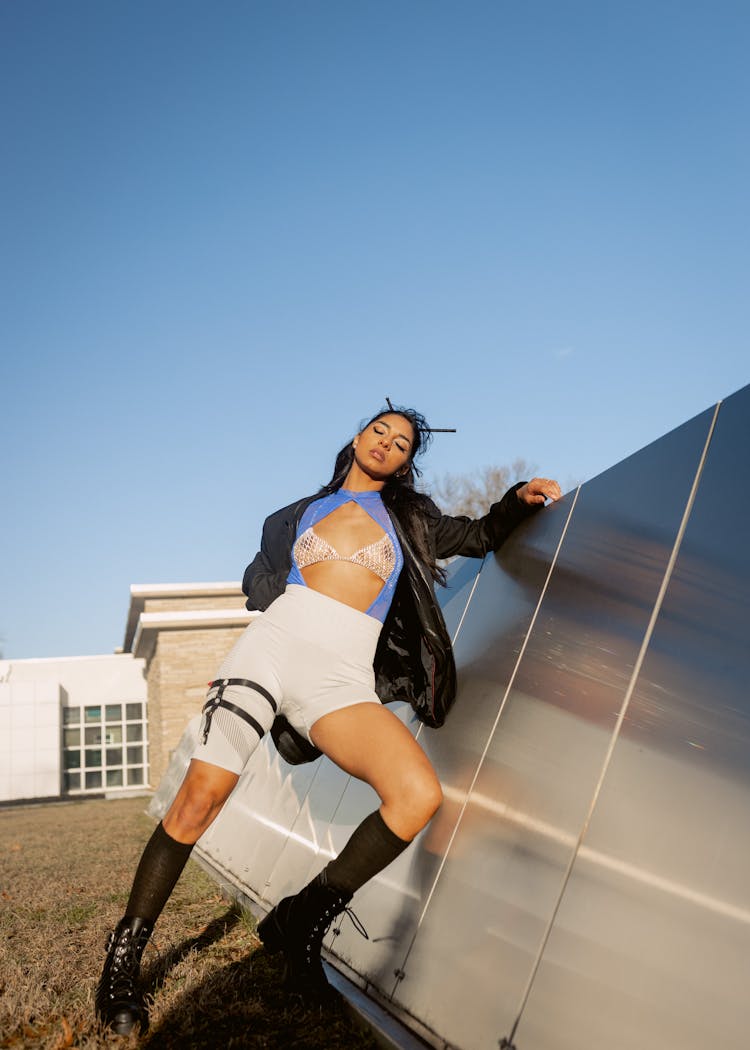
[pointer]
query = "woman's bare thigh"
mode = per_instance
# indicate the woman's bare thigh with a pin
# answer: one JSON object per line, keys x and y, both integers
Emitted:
{"x": 369, "y": 742}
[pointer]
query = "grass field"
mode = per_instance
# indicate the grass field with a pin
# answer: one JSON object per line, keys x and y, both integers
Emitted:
{"x": 65, "y": 873}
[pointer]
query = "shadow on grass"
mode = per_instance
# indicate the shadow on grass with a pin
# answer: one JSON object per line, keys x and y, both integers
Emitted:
{"x": 245, "y": 1004}
{"x": 154, "y": 975}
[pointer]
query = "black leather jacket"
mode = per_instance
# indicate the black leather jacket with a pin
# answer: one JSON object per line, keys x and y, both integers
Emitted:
{"x": 414, "y": 657}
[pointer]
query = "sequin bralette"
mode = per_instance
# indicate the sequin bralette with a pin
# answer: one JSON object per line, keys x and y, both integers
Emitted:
{"x": 379, "y": 557}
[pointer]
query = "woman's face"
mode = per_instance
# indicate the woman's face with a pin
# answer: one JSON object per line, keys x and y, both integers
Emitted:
{"x": 384, "y": 447}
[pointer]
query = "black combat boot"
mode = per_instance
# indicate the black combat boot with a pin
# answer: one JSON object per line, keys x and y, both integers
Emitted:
{"x": 297, "y": 926}
{"x": 119, "y": 1002}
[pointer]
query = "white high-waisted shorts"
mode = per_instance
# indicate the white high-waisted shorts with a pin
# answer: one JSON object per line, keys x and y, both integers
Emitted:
{"x": 306, "y": 656}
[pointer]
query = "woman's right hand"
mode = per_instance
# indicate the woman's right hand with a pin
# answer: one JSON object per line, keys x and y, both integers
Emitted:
{"x": 538, "y": 490}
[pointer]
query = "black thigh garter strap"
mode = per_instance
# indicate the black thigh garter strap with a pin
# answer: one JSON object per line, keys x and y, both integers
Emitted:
{"x": 217, "y": 701}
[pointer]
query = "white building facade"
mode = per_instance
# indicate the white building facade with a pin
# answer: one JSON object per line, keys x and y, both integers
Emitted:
{"x": 72, "y": 726}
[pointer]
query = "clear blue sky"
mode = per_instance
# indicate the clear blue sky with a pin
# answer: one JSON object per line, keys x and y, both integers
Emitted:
{"x": 230, "y": 229}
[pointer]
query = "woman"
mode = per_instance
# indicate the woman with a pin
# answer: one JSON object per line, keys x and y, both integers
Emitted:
{"x": 345, "y": 579}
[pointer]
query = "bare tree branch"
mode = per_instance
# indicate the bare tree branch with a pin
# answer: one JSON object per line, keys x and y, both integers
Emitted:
{"x": 472, "y": 493}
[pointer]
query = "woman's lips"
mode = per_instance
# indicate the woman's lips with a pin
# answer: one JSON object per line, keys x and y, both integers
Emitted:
{"x": 379, "y": 456}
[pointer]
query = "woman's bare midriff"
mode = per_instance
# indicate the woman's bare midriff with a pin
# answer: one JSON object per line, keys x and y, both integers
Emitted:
{"x": 347, "y": 529}
{"x": 354, "y": 585}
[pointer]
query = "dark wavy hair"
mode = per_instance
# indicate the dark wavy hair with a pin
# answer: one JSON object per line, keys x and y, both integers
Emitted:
{"x": 399, "y": 493}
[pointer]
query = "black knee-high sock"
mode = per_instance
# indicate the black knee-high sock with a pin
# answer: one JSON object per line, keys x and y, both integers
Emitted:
{"x": 159, "y": 869}
{"x": 371, "y": 848}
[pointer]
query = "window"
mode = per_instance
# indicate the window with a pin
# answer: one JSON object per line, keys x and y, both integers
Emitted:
{"x": 103, "y": 746}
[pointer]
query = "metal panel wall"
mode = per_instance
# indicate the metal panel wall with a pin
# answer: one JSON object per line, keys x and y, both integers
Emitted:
{"x": 586, "y": 882}
{"x": 651, "y": 943}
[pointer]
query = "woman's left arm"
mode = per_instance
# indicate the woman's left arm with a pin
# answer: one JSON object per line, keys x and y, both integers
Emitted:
{"x": 474, "y": 537}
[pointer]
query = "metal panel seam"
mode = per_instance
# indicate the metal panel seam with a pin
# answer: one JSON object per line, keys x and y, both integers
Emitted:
{"x": 468, "y": 603}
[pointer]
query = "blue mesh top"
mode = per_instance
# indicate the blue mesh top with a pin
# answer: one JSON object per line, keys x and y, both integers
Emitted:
{"x": 383, "y": 557}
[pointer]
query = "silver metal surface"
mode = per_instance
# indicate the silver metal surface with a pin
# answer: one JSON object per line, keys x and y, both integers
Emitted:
{"x": 651, "y": 945}
{"x": 506, "y": 867}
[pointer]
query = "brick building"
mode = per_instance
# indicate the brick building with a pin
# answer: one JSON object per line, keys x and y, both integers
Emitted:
{"x": 182, "y": 633}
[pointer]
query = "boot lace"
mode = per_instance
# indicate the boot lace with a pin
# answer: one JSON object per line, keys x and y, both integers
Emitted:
{"x": 356, "y": 922}
{"x": 319, "y": 930}
{"x": 124, "y": 964}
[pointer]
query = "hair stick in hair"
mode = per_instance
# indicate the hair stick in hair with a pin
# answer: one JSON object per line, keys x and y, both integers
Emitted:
{"x": 430, "y": 430}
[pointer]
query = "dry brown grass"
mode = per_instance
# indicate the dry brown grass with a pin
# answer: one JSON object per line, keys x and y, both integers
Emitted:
{"x": 65, "y": 873}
